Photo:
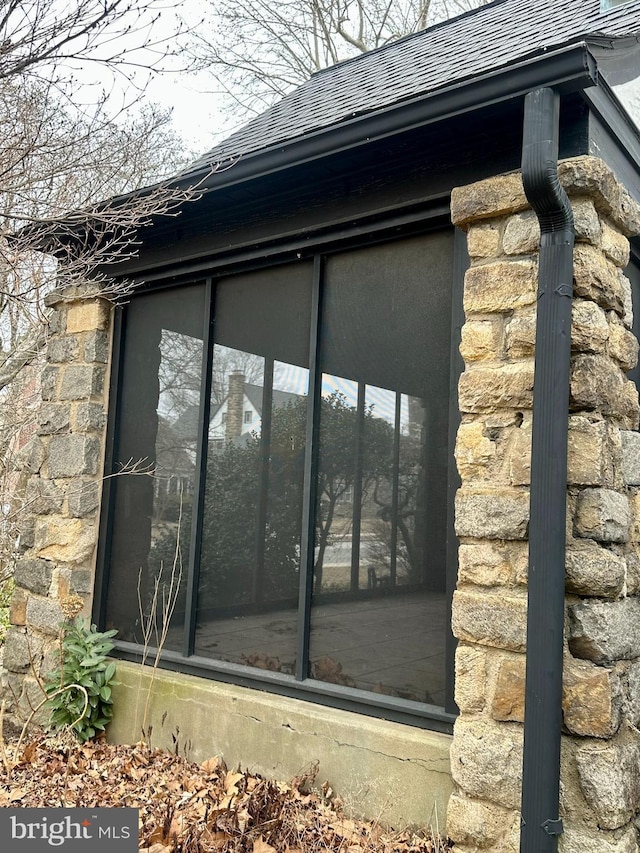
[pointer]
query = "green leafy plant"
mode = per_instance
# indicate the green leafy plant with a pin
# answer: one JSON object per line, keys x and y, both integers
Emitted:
{"x": 6, "y": 591}
{"x": 79, "y": 689}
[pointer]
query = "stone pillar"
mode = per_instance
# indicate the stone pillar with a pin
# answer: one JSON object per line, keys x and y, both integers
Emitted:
{"x": 64, "y": 464}
{"x": 600, "y": 781}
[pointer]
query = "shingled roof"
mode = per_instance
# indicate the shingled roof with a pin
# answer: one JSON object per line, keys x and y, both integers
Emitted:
{"x": 488, "y": 38}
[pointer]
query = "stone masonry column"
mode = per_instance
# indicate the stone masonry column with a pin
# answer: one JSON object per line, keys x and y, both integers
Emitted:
{"x": 600, "y": 780}
{"x": 64, "y": 463}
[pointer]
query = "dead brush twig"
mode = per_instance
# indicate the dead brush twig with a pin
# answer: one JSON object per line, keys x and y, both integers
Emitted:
{"x": 199, "y": 808}
{"x": 164, "y": 599}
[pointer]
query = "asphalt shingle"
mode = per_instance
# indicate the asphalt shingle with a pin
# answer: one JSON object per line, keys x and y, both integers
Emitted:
{"x": 486, "y": 39}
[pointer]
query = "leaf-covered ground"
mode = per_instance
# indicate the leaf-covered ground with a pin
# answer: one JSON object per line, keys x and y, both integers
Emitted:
{"x": 190, "y": 808}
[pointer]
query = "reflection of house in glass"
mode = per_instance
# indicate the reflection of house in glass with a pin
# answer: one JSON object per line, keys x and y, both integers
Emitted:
{"x": 175, "y": 461}
{"x": 240, "y": 413}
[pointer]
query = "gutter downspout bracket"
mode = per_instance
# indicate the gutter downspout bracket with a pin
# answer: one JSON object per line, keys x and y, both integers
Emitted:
{"x": 553, "y": 827}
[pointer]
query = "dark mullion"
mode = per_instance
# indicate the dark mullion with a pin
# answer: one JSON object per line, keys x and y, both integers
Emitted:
{"x": 307, "y": 539}
{"x": 108, "y": 487}
{"x": 395, "y": 491}
{"x": 257, "y": 592}
{"x": 460, "y": 266}
{"x": 357, "y": 489}
{"x": 193, "y": 571}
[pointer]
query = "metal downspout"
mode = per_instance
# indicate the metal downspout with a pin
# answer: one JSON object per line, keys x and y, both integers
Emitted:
{"x": 545, "y": 618}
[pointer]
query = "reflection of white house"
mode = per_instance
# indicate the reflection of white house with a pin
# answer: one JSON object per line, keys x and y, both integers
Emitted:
{"x": 240, "y": 413}
{"x": 175, "y": 458}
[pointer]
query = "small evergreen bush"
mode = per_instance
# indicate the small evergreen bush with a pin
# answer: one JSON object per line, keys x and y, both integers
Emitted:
{"x": 83, "y": 653}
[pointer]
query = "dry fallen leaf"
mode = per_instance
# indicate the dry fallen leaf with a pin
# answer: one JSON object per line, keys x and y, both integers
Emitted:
{"x": 203, "y": 808}
{"x": 212, "y": 765}
{"x": 157, "y": 836}
{"x": 29, "y": 753}
{"x": 215, "y": 840}
{"x": 232, "y": 781}
{"x": 16, "y": 794}
{"x": 261, "y": 846}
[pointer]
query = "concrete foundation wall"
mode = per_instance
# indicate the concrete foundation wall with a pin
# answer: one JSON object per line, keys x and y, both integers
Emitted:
{"x": 395, "y": 773}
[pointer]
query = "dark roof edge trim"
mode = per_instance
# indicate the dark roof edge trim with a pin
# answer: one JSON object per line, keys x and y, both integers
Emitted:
{"x": 606, "y": 104}
{"x": 570, "y": 69}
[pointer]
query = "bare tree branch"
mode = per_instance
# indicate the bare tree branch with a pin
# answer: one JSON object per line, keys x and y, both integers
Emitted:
{"x": 257, "y": 51}
{"x": 43, "y": 34}
{"x": 62, "y": 150}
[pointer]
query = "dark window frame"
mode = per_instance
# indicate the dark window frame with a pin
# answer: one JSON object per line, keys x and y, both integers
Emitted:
{"x": 298, "y": 686}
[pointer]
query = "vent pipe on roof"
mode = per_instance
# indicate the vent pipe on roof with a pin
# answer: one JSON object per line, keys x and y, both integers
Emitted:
{"x": 545, "y": 618}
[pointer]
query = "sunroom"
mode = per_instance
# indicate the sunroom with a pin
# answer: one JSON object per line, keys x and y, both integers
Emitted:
{"x": 319, "y": 408}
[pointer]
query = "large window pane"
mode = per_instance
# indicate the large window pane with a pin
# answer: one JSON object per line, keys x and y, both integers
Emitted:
{"x": 155, "y": 465}
{"x": 378, "y": 590}
{"x": 379, "y": 599}
{"x": 250, "y": 563}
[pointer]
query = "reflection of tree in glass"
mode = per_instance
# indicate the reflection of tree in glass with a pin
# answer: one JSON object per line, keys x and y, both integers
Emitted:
{"x": 242, "y": 564}
{"x": 409, "y": 547}
{"x": 243, "y": 560}
{"x": 168, "y": 560}
{"x": 179, "y": 374}
{"x": 338, "y": 463}
{"x": 179, "y": 377}
{"x": 228, "y": 537}
{"x": 283, "y": 526}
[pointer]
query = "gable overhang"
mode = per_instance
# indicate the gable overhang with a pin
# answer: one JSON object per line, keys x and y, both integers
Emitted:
{"x": 568, "y": 69}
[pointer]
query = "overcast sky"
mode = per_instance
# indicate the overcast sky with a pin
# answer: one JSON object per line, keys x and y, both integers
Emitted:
{"x": 196, "y": 113}
{"x": 196, "y": 107}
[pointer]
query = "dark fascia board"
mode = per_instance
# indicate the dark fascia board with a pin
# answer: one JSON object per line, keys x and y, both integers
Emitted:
{"x": 567, "y": 70}
{"x": 607, "y": 106}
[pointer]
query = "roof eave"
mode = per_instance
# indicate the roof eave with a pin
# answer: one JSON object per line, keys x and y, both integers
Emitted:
{"x": 568, "y": 69}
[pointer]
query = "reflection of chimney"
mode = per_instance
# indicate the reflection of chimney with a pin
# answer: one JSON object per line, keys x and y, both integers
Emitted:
{"x": 235, "y": 401}
{"x": 417, "y": 412}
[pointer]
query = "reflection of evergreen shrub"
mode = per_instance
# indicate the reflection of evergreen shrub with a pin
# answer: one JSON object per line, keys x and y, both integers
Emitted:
{"x": 228, "y": 526}
{"x": 162, "y": 554}
{"x": 230, "y": 523}
{"x": 171, "y": 509}
{"x": 231, "y": 540}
